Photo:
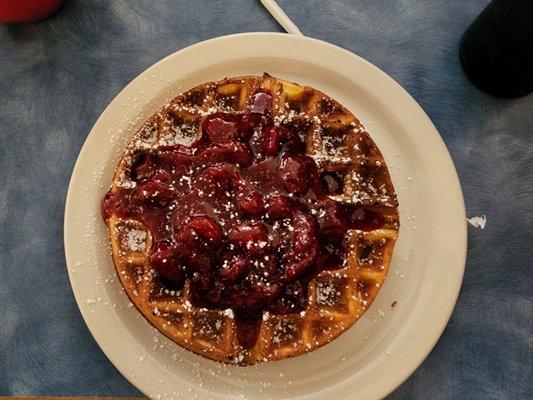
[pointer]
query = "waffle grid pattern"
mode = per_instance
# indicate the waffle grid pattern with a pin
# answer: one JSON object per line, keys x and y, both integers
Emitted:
{"x": 337, "y": 298}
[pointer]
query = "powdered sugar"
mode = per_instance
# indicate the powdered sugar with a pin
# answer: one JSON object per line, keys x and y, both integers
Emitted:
{"x": 326, "y": 293}
{"x": 135, "y": 240}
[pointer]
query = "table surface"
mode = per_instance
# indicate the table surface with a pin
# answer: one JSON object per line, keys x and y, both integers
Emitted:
{"x": 57, "y": 76}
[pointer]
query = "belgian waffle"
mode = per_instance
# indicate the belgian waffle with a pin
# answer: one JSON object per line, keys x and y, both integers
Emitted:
{"x": 336, "y": 296}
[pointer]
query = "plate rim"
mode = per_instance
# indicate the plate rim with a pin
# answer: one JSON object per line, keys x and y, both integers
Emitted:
{"x": 462, "y": 253}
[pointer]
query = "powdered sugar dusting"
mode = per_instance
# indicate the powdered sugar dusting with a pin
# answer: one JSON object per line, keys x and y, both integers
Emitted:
{"x": 326, "y": 150}
{"x": 135, "y": 240}
{"x": 326, "y": 293}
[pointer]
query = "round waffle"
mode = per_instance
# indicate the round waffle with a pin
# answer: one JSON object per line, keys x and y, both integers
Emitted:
{"x": 349, "y": 174}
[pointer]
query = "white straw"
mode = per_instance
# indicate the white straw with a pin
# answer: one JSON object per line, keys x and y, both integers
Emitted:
{"x": 280, "y": 16}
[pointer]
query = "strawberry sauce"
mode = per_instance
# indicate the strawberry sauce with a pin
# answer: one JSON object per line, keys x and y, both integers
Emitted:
{"x": 243, "y": 213}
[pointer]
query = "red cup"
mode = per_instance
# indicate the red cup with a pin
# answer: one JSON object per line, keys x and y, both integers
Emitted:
{"x": 27, "y": 10}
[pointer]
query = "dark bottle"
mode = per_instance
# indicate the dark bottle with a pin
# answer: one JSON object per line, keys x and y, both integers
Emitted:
{"x": 497, "y": 49}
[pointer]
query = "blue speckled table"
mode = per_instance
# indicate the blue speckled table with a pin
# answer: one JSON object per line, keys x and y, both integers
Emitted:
{"x": 57, "y": 76}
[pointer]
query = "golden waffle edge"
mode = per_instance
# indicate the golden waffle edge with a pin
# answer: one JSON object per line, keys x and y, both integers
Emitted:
{"x": 337, "y": 298}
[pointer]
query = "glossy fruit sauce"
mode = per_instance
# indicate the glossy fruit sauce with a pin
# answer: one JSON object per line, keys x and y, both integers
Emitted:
{"x": 243, "y": 213}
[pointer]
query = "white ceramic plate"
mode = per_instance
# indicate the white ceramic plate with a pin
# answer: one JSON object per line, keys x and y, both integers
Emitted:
{"x": 385, "y": 346}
